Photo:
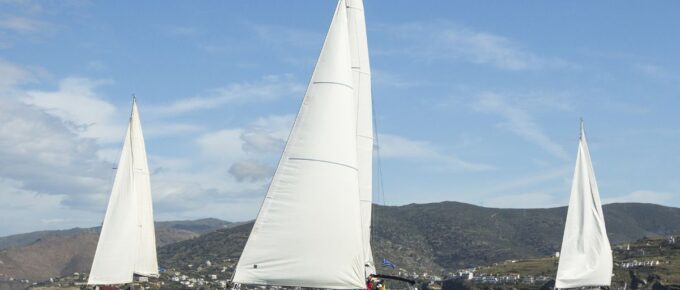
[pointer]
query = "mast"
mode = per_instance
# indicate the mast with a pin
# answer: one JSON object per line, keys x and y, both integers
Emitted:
{"x": 308, "y": 232}
{"x": 586, "y": 255}
{"x": 361, "y": 75}
{"x": 127, "y": 242}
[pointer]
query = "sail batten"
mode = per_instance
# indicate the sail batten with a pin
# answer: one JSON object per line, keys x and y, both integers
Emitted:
{"x": 308, "y": 231}
{"x": 127, "y": 242}
{"x": 586, "y": 256}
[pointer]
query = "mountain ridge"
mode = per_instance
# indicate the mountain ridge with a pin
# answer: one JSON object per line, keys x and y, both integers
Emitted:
{"x": 433, "y": 237}
{"x": 40, "y": 255}
{"x": 445, "y": 236}
{"x": 197, "y": 226}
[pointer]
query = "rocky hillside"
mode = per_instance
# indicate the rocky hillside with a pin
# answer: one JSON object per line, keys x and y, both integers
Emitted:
{"x": 453, "y": 235}
{"x": 432, "y": 238}
{"x": 41, "y": 255}
{"x": 445, "y": 236}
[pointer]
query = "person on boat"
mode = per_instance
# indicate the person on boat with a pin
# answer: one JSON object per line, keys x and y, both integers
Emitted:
{"x": 369, "y": 282}
{"x": 380, "y": 285}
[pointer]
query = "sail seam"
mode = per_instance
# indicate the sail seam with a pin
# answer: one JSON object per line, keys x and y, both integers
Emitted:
{"x": 333, "y": 83}
{"x": 358, "y": 69}
{"x": 325, "y": 161}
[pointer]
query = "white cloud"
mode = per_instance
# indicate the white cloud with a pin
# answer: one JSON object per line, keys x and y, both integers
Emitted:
{"x": 391, "y": 79}
{"x": 187, "y": 187}
{"x": 22, "y": 21}
{"x": 658, "y": 73}
{"x": 547, "y": 175}
{"x": 14, "y": 75}
{"x": 181, "y": 31}
{"x": 21, "y": 24}
{"x": 77, "y": 103}
{"x": 267, "y": 135}
{"x": 441, "y": 40}
{"x": 223, "y": 145}
{"x": 287, "y": 36}
{"x": 47, "y": 157}
{"x": 62, "y": 144}
{"x": 23, "y": 210}
{"x": 519, "y": 122}
{"x": 263, "y": 137}
{"x": 399, "y": 147}
{"x": 166, "y": 128}
{"x": 55, "y": 165}
{"x": 251, "y": 170}
{"x": 268, "y": 88}
{"x": 645, "y": 196}
{"x": 394, "y": 146}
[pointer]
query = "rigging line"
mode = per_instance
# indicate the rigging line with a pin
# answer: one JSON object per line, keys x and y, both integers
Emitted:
{"x": 378, "y": 158}
{"x": 381, "y": 188}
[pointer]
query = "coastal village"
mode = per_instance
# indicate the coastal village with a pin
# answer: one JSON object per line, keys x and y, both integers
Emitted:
{"x": 642, "y": 263}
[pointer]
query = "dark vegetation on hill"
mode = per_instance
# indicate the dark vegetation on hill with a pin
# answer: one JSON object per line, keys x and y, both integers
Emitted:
{"x": 662, "y": 275}
{"x": 40, "y": 255}
{"x": 199, "y": 226}
{"x": 434, "y": 238}
{"x": 453, "y": 235}
{"x": 442, "y": 237}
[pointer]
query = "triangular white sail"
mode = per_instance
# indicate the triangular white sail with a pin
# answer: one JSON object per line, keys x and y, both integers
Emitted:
{"x": 308, "y": 232}
{"x": 361, "y": 74}
{"x": 127, "y": 243}
{"x": 586, "y": 256}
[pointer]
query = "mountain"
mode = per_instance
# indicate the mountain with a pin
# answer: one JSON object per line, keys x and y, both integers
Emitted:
{"x": 191, "y": 227}
{"x": 442, "y": 237}
{"x": 418, "y": 238}
{"x": 650, "y": 260}
{"x": 40, "y": 255}
{"x": 29, "y": 238}
{"x": 454, "y": 235}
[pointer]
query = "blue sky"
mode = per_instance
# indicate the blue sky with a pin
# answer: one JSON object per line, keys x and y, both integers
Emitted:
{"x": 476, "y": 102}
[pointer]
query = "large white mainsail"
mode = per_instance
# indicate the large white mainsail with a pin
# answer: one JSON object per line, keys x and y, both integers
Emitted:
{"x": 586, "y": 255}
{"x": 308, "y": 232}
{"x": 127, "y": 243}
{"x": 361, "y": 75}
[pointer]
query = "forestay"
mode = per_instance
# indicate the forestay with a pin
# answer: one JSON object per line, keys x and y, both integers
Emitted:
{"x": 308, "y": 232}
{"x": 127, "y": 243}
{"x": 586, "y": 256}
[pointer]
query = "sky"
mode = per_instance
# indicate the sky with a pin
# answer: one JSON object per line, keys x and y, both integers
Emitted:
{"x": 475, "y": 101}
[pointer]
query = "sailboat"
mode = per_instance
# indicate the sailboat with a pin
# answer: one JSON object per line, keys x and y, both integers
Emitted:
{"x": 127, "y": 242}
{"x": 586, "y": 255}
{"x": 313, "y": 228}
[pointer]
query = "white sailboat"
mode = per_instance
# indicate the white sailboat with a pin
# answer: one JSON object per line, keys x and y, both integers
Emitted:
{"x": 127, "y": 243}
{"x": 586, "y": 255}
{"x": 313, "y": 229}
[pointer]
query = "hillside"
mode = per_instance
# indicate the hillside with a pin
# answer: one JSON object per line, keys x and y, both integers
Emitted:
{"x": 642, "y": 262}
{"x": 41, "y": 255}
{"x": 442, "y": 237}
{"x": 418, "y": 238}
{"x": 455, "y": 235}
{"x": 199, "y": 226}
